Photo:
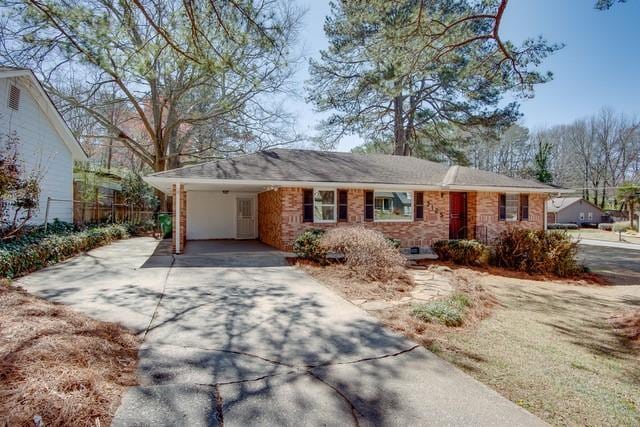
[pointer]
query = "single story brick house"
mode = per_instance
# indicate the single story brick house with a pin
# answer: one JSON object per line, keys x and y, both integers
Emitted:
{"x": 275, "y": 195}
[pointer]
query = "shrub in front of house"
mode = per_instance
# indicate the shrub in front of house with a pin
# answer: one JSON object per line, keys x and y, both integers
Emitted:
{"x": 307, "y": 245}
{"x": 40, "y": 249}
{"x": 559, "y": 226}
{"x": 449, "y": 311}
{"x": 606, "y": 226}
{"x": 536, "y": 251}
{"x": 465, "y": 252}
{"x": 367, "y": 253}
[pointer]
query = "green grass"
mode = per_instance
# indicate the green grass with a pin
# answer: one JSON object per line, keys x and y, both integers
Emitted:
{"x": 449, "y": 312}
{"x": 549, "y": 348}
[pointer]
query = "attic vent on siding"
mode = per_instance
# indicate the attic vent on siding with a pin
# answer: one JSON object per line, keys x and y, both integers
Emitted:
{"x": 14, "y": 97}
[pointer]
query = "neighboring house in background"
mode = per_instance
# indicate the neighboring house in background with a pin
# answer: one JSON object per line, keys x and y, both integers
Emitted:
{"x": 276, "y": 195}
{"x": 574, "y": 210}
{"x": 45, "y": 140}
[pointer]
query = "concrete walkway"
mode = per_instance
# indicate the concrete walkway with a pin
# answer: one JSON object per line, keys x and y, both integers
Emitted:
{"x": 248, "y": 340}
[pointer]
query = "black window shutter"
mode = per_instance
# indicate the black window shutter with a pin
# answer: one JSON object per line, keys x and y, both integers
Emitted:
{"x": 368, "y": 205}
{"x": 343, "y": 210}
{"x": 419, "y": 205}
{"x": 524, "y": 207}
{"x": 502, "y": 207}
{"x": 307, "y": 206}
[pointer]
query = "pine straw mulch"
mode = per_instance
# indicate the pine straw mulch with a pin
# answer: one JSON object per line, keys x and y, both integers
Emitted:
{"x": 627, "y": 325}
{"x": 585, "y": 278}
{"x": 338, "y": 277}
{"x": 399, "y": 318}
{"x": 60, "y": 365}
{"x": 431, "y": 334}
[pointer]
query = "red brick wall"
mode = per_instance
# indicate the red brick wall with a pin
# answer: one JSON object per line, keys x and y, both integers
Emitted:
{"x": 472, "y": 214}
{"x": 487, "y": 214}
{"x": 270, "y": 218}
{"x": 285, "y": 204}
{"x": 183, "y": 219}
{"x": 280, "y": 217}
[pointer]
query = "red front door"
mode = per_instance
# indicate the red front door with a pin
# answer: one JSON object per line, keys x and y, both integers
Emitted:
{"x": 457, "y": 215}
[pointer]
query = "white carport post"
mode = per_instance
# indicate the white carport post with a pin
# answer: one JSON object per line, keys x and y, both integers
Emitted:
{"x": 176, "y": 213}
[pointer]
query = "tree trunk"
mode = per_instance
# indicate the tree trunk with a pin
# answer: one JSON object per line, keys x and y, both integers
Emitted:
{"x": 400, "y": 141}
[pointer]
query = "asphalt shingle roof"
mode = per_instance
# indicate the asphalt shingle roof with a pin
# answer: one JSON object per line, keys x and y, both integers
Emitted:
{"x": 327, "y": 166}
{"x": 558, "y": 203}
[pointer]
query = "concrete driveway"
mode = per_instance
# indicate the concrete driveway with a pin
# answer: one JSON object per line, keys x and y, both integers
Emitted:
{"x": 241, "y": 338}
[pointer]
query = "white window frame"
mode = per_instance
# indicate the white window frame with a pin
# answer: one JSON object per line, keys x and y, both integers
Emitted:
{"x": 335, "y": 206}
{"x": 413, "y": 202}
{"x": 581, "y": 216}
{"x": 590, "y": 216}
{"x": 506, "y": 207}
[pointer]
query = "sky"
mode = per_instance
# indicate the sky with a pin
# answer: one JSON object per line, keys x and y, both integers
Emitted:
{"x": 598, "y": 67}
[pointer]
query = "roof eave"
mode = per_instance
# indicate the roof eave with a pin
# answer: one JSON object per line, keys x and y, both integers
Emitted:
{"x": 165, "y": 183}
{"x": 507, "y": 189}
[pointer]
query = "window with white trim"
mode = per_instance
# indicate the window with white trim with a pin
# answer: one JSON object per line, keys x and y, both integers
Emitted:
{"x": 590, "y": 215}
{"x": 581, "y": 216}
{"x": 324, "y": 205}
{"x": 393, "y": 205}
{"x": 512, "y": 201}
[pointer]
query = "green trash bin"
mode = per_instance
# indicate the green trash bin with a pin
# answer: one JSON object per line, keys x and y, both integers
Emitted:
{"x": 166, "y": 225}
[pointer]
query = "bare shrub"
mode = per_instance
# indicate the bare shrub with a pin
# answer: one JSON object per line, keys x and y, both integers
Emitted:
{"x": 367, "y": 253}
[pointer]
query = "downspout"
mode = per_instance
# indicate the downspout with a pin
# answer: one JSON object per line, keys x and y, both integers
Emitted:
{"x": 177, "y": 214}
{"x": 544, "y": 213}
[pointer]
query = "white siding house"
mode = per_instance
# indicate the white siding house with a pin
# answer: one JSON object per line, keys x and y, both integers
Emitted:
{"x": 45, "y": 140}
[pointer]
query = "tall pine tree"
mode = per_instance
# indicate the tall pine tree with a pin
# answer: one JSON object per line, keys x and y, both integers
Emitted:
{"x": 409, "y": 74}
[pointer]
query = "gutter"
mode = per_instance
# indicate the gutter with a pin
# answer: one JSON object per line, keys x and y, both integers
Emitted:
{"x": 164, "y": 184}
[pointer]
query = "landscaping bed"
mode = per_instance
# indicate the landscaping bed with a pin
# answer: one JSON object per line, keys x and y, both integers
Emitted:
{"x": 526, "y": 319}
{"x": 58, "y": 366}
{"x": 40, "y": 248}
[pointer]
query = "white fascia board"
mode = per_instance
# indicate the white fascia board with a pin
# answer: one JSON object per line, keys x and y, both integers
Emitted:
{"x": 491, "y": 189}
{"x": 7, "y": 74}
{"x": 164, "y": 184}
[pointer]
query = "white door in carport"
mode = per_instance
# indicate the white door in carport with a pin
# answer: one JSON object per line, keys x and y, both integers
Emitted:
{"x": 245, "y": 218}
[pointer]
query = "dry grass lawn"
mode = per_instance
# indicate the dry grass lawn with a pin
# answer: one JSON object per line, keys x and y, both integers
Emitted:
{"x": 557, "y": 350}
{"x": 567, "y": 352}
{"x": 60, "y": 365}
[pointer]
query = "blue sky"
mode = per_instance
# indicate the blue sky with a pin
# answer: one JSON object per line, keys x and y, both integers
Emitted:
{"x": 599, "y": 65}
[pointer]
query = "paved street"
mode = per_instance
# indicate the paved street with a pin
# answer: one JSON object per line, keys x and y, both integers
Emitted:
{"x": 620, "y": 265}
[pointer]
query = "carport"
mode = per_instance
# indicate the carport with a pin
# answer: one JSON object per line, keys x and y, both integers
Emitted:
{"x": 206, "y": 211}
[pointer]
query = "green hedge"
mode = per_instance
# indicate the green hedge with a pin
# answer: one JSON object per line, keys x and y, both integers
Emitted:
{"x": 39, "y": 249}
{"x": 307, "y": 245}
{"x": 560, "y": 226}
{"x": 465, "y": 252}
